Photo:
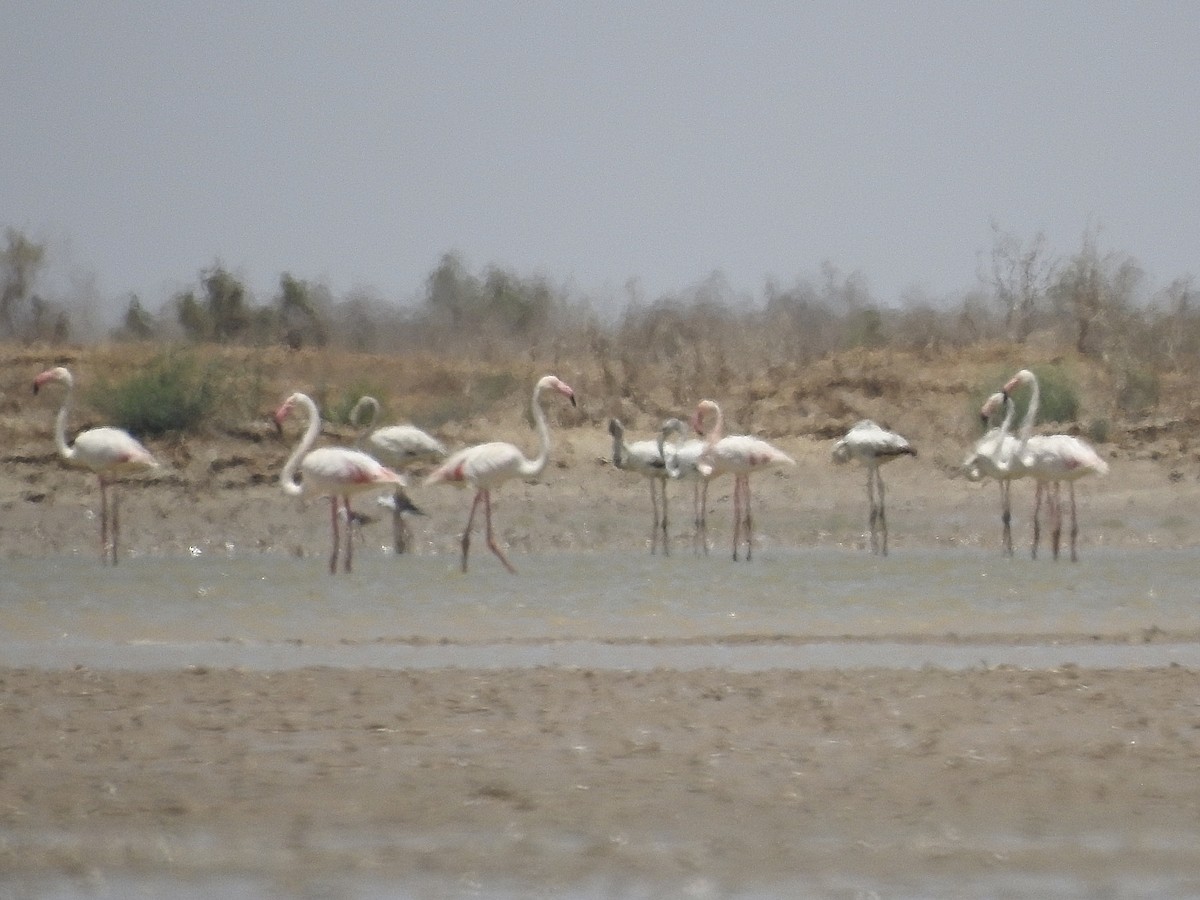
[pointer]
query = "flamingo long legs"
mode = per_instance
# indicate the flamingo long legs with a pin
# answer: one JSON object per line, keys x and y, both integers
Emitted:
{"x": 486, "y": 496}
{"x": 741, "y": 515}
{"x": 109, "y": 533}
{"x": 659, "y": 523}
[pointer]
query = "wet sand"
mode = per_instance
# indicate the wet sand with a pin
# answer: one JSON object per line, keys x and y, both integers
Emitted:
{"x": 556, "y": 776}
{"x": 704, "y": 782}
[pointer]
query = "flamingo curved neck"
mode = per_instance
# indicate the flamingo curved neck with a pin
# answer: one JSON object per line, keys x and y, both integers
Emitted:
{"x": 531, "y": 468}
{"x": 65, "y": 450}
{"x": 287, "y": 478}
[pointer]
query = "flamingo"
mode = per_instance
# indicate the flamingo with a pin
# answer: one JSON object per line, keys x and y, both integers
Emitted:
{"x": 991, "y": 457}
{"x": 739, "y": 455}
{"x": 684, "y": 463}
{"x": 336, "y": 471}
{"x": 873, "y": 446}
{"x": 648, "y": 459}
{"x": 106, "y": 451}
{"x": 487, "y": 466}
{"x": 1050, "y": 460}
{"x": 397, "y": 446}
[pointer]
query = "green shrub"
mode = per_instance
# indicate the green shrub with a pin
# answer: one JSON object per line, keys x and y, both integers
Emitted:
{"x": 170, "y": 394}
{"x": 1060, "y": 400}
{"x": 1138, "y": 392}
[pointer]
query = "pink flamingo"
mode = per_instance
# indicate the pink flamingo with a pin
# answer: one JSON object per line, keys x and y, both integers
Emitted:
{"x": 336, "y": 471}
{"x": 684, "y": 463}
{"x": 487, "y": 466}
{"x": 873, "y": 446}
{"x": 106, "y": 451}
{"x": 397, "y": 446}
{"x": 1051, "y": 460}
{"x": 991, "y": 457}
{"x": 739, "y": 455}
{"x": 648, "y": 459}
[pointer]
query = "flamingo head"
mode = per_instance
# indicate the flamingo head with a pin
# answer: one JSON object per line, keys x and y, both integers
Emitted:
{"x": 1021, "y": 378}
{"x": 616, "y": 429}
{"x": 58, "y": 374}
{"x": 671, "y": 426}
{"x": 551, "y": 381}
{"x": 285, "y": 410}
{"x": 990, "y": 406}
{"x": 699, "y": 420}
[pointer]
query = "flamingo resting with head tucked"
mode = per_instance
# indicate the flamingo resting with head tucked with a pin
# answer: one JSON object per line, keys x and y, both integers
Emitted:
{"x": 873, "y": 446}
{"x": 398, "y": 446}
{"x": 648, "y": 459}
{"x": 738, "y": 454}
{"x": 106, "y": 451}
{"x": 487, "y": 466}
{"x": 336, "y": 471}
{"x": 1050, "y": 460}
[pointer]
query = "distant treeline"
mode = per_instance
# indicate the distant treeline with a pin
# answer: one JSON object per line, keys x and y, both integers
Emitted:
{"x": 1092, "y": 303}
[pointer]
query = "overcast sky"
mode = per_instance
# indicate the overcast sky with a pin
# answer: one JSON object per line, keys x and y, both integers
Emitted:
{"x": 595, "y": 142}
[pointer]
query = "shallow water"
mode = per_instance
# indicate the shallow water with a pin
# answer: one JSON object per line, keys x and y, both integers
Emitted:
{"x": 797, "y": 609}
{"x": 816, "y": 608}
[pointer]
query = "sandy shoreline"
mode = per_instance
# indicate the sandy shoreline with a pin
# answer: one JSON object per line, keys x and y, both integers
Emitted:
{"x": 705, "y": 782}
{"x": 556, "y": 776}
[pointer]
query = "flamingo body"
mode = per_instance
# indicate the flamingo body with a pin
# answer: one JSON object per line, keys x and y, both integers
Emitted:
{"x": 398, "y": 446}
{"x": 738, "y": 455}
{"x": 1050, "y": 460}
{"x": 872, "y": 446}
{"x": 487, "y": 466}
{"x": 106, "y": 451}
{"x": 992, "y": 457}
{"x": 650, "y": 459}
{"x": 340, "y": 472}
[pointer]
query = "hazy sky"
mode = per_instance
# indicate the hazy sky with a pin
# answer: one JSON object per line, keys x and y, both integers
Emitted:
{"x": 594, "y": 142}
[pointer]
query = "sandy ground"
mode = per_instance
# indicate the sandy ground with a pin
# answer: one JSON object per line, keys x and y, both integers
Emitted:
{"x": 711, "y": 779}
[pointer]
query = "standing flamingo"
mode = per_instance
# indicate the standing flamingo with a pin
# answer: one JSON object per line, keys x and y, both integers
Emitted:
{"x": 487, "y": 466}
{"x": 336, "y": 471}
{"x": 106, "y": 451}
{"x": 648, "y": 459}
{"x": 992, "y": 456}
{"x": 685, "y": 464}
{"x": 873, "y": 446}
{"x": 1051, "y": 460}
{"x": 739, "y": 455}
{"x": 398, "y": 446}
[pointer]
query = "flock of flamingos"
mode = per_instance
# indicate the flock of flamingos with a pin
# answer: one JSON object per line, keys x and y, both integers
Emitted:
{"x": 341, "y": 472}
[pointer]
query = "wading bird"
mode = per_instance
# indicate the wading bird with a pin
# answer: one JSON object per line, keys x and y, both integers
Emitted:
{"x": 873, "y": 446}
{"x": 684, "y": 464}
{"x": 991, "y": 457}
{"x": 398, "y": 446}
{"x": 739, "y": 455}
{"x": 487, "y": 466}
{"x": 648, "y": 459}
{"x": 1050, "y": 460}
{"x": 337, "y": 471}
{"x": 106, "y": 451}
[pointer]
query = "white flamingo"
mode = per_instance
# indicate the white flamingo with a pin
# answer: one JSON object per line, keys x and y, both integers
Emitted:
{"x": 487, "y": 466}
{"x": 398, "y": 446}
{"x": 991, "y": 457}
{"x": 106, "y": 451}
{"x": 738, "y": 455}
{"x": 1050, "y": 460}
{"x": 872, "y": 446}
{"x": 337, "y": 471}
{"x": 684, "y": 463}
{"x": 648, "y": 459}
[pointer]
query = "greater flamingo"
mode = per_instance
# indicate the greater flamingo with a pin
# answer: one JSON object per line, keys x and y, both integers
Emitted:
{"x": 991, "y": 457}
{"x": 106, "y": 451}
{"x": 739, "y": 455}
{"x": 648, "y": 459}
{"x": 398, "y": 446}
{"x": 487, "y": 466}
{"x": 684, "y": 463}
{"x": 873, "y": 446}
{"x": 336, "y": 471}
{"x": 1051, "y": 460}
